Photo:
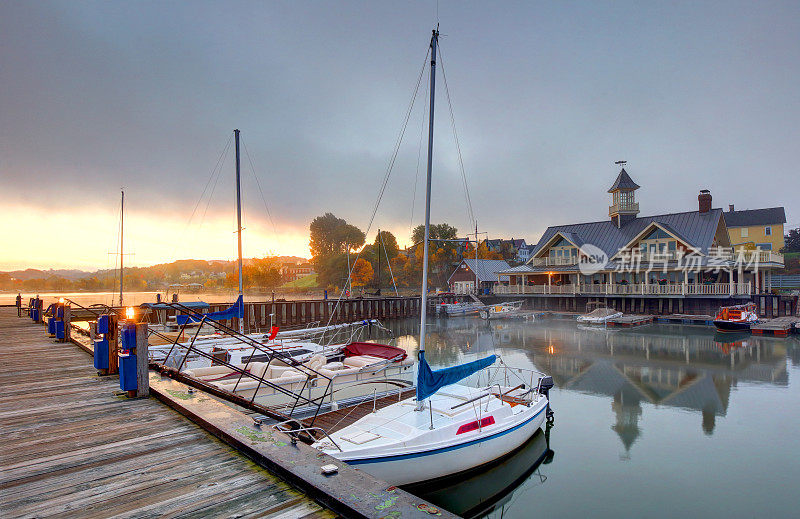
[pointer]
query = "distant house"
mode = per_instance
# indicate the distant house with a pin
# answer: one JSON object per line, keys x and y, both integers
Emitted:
{"x": 292, "y": 271}
{"x": 524, "y": 253}
{"x": 756, "y": 228}
{"x": 462, "y": 280}
{"x": 512, "y": 246}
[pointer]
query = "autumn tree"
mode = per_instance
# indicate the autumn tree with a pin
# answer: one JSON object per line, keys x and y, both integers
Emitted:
{"x": 361, "y": 273}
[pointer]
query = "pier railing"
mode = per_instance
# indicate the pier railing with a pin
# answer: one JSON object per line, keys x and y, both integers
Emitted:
{"x": 633, "y": 289}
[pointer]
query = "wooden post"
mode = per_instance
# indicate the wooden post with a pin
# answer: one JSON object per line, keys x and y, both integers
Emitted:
{"x": 67, "y": 319}
{"x": 113, "y": 338}
{"x": 142, "y": 370}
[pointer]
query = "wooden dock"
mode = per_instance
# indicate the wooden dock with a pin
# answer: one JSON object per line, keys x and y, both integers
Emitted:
{"x": 631, "y": 320}
{"x": 72, "y": 447}
{"x": 686, "y": 319}
{"x": 82, "y": 448}
{"x": 778, "y": 327}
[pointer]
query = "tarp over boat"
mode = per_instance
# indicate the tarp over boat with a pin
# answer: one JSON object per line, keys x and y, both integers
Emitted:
{"x": 430, "y": 381}
{"x": 235, "y": 310}
{"x": 383, "y": 351}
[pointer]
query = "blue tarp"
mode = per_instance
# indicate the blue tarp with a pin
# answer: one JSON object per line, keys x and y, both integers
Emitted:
{"x": 429, "y": 381}
{"x": 236, "y": 310}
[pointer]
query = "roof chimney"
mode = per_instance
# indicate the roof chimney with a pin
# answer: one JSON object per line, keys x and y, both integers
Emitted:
{"x": 730, "y": 207}
{"x": 704, "y": 201}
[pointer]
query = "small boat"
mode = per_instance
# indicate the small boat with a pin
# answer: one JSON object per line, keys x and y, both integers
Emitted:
{"x": 736, "y": 318}
{"x": 512, "y": 309}
{"x": 599, "y": 316}
{"x": 463, "y": 308}
{"x": 449, "y": 427}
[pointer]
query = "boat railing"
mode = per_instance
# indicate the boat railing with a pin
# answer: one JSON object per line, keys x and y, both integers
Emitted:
{"x": 297, "y": 397}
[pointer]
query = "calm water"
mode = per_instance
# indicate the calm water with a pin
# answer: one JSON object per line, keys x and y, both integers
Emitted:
{"x": 657, "y": 421}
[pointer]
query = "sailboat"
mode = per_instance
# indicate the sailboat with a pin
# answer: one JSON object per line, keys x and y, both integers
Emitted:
{"x": 441, "y": 432}
{"x": 353, "y": 366}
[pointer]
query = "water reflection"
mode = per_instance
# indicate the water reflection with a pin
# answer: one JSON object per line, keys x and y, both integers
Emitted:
{"x": 646, "y": 419}
{"x": 492, "y": 489}
{"x": 688, "y": 367}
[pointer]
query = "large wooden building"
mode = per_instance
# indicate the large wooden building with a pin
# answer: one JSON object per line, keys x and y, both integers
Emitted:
{"x": 683, "y": 256}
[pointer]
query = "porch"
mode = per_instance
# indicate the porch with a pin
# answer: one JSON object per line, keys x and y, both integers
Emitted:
{"x": 638, "y": 289}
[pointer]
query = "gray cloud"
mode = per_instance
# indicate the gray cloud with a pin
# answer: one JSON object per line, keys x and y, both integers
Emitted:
{"x": 96, "y": 95}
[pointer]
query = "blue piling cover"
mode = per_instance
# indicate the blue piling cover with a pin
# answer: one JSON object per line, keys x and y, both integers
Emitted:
{"x": 127, "y": 372}
{"x": 102, "y": 324}
{"x": 101, "y": 354}
{"x": 60, "y": 335}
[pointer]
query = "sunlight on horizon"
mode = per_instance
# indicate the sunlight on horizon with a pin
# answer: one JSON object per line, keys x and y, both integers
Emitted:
{"x": 91, "y": 234}
{"x": 83, "y": 238}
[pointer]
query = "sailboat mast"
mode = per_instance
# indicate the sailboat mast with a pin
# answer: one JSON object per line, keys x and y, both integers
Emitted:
{"x": 424, "y": 309}
{"x": 121, "y": 241}
{"x": 239, "y": 220}
{"x": 380, "y": 242}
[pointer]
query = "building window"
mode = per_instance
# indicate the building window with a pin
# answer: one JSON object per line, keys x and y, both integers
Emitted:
{"x": 745, "y": 234}
{"x": 764, "y": 246}
{"x": 768, "y": 231}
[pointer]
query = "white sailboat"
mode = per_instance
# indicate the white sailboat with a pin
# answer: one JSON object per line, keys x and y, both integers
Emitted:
{"x": 292, "y": 360}
{"x": 443, "y": 432}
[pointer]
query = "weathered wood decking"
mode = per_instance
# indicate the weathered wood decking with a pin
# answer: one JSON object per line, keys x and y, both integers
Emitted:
{"x": 779, "y": 327}
{"x": 71, "y": 447}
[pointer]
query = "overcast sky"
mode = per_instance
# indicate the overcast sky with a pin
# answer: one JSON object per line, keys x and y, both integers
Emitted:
{"x": 95, "y": 96}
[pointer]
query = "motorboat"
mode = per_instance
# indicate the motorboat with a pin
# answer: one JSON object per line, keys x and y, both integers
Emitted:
{"x": 599, "y": 316}
{"x": 448, "y": 427}
{"x": 736, "y": 318}
{"x": 461, "y": 308}
{"x": 509, "y": 310}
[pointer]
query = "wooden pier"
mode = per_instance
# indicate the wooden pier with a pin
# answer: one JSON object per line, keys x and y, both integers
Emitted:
{"x": 76, "y": 447}
{"x": 631, "y": 320}
{"x": 686, "y": 319}
{"x": 778, "y": 327}
{"x": 73, "y": 447}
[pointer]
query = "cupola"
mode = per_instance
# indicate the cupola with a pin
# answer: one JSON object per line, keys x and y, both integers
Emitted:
{"x": 623, "y": 206}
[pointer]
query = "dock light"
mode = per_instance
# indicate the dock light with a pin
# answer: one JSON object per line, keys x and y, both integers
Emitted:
{"x": 129, "y": 313}
{"x": 61, "y": 300}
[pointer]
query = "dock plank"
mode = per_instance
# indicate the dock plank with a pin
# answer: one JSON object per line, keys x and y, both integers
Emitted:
{"x": 75, "y": 448}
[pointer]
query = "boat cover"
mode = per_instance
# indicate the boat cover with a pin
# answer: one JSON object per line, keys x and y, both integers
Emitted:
{"x": 383, "y": 351}
{"x": 430, "y": 381}
{"x": 235, "y": 310}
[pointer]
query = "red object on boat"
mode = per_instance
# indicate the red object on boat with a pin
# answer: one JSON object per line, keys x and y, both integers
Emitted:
{"x": 474, "y": 426}
{"x": 273, "y": 332}
{"x": 383, "y": 351}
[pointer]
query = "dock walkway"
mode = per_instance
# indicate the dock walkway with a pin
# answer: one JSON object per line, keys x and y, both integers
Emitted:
{"x": 779, "y": 327}
{"x": 72, "y": 447}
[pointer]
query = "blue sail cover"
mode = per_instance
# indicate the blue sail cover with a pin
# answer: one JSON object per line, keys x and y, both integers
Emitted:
{"x": 429, "y": 381}
{"x": 236, "y": 310}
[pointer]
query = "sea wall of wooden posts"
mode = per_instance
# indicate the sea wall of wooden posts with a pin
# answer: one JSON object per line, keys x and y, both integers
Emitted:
{"x": 286, "y": 314}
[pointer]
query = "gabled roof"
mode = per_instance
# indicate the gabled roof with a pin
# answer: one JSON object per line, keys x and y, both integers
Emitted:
{"x": 624, "y": 181}
{"x": 487, "y": 269}
{"x": 770, "y": 215}
{"x": 569, "y": 236}
{"x": 696, "y": 228}
{"x": 666, "y": 227}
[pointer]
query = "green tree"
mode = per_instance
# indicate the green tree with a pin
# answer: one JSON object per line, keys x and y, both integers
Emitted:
{"x": 792, "y": 240}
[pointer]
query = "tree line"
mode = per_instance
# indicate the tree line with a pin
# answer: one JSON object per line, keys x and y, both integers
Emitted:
{"x": 339, "y": 249}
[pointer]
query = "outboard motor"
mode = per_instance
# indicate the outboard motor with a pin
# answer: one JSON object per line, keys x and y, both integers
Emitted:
{"x": 545, "y": 385}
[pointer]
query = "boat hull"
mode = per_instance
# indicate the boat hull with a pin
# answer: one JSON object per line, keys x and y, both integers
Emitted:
{"x": 418, "y": 467}
{"x": 732, "y": 326}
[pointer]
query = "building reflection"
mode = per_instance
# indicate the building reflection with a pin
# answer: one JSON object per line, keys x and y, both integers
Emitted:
{"x": 688, "y": 367}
